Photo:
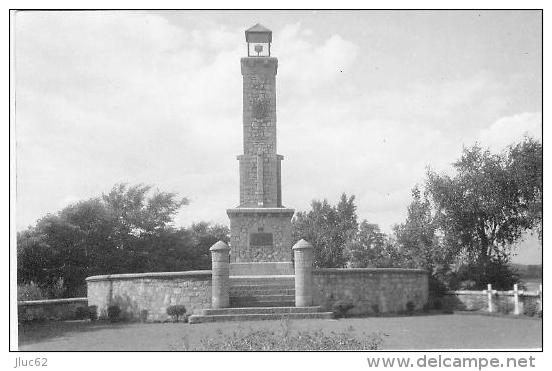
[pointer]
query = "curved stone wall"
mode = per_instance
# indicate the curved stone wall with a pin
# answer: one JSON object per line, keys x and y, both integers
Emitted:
{"x": 371, "y": 290}
{"x": 150, "y": 293}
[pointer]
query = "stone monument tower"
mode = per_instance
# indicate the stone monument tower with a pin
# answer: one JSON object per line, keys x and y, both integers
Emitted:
{"x": 260, "y": 226}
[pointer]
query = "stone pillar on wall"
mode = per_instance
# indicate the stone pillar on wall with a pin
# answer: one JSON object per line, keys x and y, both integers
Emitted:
{"x": 220, "y": 259}
{"x": 303, "y": 258}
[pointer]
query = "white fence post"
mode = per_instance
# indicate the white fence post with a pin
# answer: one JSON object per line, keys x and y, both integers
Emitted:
{"x": 516, "y": 299}
{"x": 490, "y": 297}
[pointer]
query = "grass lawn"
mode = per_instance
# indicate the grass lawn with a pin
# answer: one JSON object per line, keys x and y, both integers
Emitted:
{"x": 414, "y": 333}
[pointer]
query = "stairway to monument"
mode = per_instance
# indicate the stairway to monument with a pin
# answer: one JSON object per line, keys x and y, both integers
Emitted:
{"x": 261, "y": 298}
{"x": 262, "y": 291}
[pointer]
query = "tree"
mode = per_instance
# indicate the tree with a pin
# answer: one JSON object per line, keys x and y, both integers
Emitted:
{"x": 136, "y": 214}
{"x": 487, "y": 205}
{"x": 525, "y": 167}
{"x": 203, "y": 236}
{"x": 128, "y": 230}
{"x": 416, "y": 237}
{"x": 419, "y": 244}
{"x": 328, "y": 228}
{"x": 371, "y": 248}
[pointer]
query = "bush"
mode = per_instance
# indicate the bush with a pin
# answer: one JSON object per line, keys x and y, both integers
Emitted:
{"x": 341, "y": 307}
{"x": 34, "y": 291}
{"x": 176, "y": 311}
{"x": 143, "y": 315}
{"x": 24, "y": 315}
{"x": 30, "y": 291}
{"x": 286, "y": 340}
{"x": 113, "y": 313}
{"x": 477, "y": 276}
{"x": 531, "y": 309}
{"x": 504, "y": 307}
{"x": 82, "y": 313}
{"x": 436, "y": 287}
{"x": 93, "y": 312}
{"x": 410, "y": 307}
{"x": 55, "y": 290}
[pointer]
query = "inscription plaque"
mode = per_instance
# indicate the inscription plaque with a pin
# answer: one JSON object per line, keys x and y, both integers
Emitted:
{"x": 260, "y": 239}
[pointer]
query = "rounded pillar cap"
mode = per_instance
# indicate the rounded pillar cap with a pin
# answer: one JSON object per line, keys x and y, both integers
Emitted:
{"x": 219, "y": 246}
{"x": 302, "y": 245}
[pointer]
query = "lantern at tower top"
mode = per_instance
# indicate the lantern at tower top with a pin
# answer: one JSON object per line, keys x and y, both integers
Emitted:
{"x": 258, "y": 40}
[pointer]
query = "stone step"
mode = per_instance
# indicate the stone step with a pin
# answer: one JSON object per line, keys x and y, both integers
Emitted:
{"x": 262, "y": 291}
{"x": 252, "y": 288}
{"x": 261, "y": 310}
{"x": 261, "y": 287}
{"x": 258, "y": 316}
{"x": 261, "y": 303}
{"x": 263, "y": 280}
{"x": 278, "y": 297}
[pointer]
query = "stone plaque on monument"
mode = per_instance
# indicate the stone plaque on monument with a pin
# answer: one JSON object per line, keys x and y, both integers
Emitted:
{"x": 260, "y": 239}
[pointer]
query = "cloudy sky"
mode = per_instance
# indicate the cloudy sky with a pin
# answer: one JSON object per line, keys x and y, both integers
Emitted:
{"x": 367, "y": 100}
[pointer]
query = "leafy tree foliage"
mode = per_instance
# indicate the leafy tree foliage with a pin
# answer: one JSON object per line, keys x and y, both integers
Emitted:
{"x": 525, "y": 167}
{"x": 460, "y": 228}
{"x": 339, "y": 240}
{"x": 128, "y": 230}
{"x": 419, "y": 244}
{"x": 486, "y": 206}
{"x": 328, "y": 228}
{"x": 371, "y": 248}
{"x": 135, "y": 214}
{"x": 417, "y": 238}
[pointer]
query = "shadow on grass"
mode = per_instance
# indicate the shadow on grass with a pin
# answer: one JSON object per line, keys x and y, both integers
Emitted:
{"x": 33, "y": 332}
{"x": 399, "y": 314}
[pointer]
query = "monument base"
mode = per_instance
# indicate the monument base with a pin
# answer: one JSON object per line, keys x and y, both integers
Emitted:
{"x": 260, "y": 234}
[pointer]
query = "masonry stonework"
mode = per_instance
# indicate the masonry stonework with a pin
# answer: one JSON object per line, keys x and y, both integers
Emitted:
{"x": 56, "y": 309}
{"x": 371, "y": 290}
{"x": 247, "y": 228}
{"x": 303, "y": 261}
{"x": 150, "y": 293}
{"x": 260, "y": 227}
{"x": 220, "y": 267}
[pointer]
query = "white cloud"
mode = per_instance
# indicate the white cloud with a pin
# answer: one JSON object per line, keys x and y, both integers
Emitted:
{"x": 511, "y": 129}
{"x": 309, "y": 65}
{"x": 104, "y": 98}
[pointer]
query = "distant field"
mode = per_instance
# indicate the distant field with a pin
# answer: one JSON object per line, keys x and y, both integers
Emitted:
{"x": 532, "y": 284}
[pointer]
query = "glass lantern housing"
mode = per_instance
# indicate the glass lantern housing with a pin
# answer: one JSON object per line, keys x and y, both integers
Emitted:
{"x": 258, "y": 40}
